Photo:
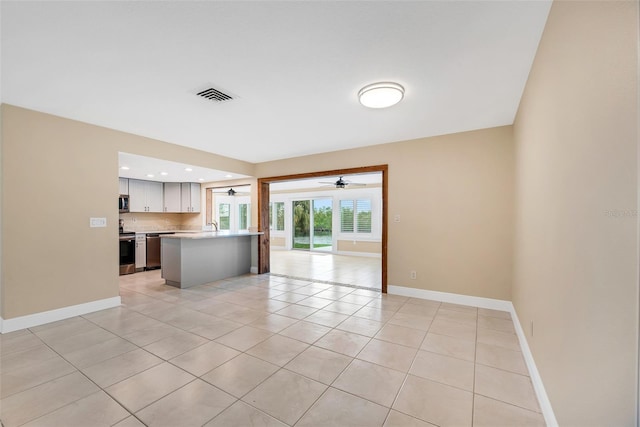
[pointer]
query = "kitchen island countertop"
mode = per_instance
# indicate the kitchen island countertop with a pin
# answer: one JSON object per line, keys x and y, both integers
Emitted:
{"x": 209, "y": 234}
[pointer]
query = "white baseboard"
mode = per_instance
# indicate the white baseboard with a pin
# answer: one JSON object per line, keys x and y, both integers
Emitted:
{"x": 538, "y": 386}
{"x": 361, "y": 254}
{"x": 36, "y": 319}
{"x": 494, "y": 304}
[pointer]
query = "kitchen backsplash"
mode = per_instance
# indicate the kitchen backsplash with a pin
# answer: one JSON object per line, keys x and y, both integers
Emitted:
{"x": 160, "y": 221}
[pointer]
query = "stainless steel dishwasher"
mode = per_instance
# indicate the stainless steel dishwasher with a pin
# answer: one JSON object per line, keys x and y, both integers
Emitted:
{"x": 153, "y": 250}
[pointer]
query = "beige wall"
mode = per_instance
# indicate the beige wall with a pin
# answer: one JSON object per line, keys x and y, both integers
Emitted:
{"x": 277, "y": 241}
{"x": 360, "y": 246}
{"x": 56, "y": 174}
{"x": 454, "y": 194}
{"x": 576, "y": 265}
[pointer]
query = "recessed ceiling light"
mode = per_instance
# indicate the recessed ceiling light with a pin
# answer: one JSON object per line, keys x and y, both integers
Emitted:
{"x": 381, "y": 95}
{"x": 149, "y": 175}
{"x": 228, "y": 176}
{"x": 188, "y": 169}
{"x": 164, "y": 173}
{"x": 126, "y": 168}
{"x": 200, "y": 179}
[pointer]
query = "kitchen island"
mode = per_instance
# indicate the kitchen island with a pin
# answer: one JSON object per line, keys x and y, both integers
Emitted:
{"x": 192, "y": 259}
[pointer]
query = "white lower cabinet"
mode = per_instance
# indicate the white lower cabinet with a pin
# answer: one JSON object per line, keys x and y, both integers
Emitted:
{"x": 141, "y": 251}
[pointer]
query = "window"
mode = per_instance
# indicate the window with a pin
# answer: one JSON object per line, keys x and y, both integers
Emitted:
{"x": 244, "y": 213}
{"x": 363, "y": 216}
{"x": 276, "y": 210}
{"x": 346, "y": 216}
{"x": 279, "y": 208}
{"x": 224, "y": 211}
{"x": 355, "y": 216}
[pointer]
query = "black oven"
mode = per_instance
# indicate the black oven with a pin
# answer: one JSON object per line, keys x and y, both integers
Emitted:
{"x": 127, "y": 253}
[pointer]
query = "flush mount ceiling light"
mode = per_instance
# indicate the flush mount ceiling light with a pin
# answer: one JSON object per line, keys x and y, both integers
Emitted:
{"x": 381, "y": 95}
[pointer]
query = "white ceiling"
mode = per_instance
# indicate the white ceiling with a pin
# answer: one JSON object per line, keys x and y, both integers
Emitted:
{"x": 368, "y": 180}
{"x": 140, "y": 167}
{"x": 294, "y": 68}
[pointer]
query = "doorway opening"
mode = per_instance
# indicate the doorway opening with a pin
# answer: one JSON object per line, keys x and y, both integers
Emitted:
{"x": 337, "y": 224}
{"x": 229, "y": 208}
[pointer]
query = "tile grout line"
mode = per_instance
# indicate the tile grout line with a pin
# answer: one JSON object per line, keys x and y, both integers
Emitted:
{"x": 257, "y": 284}
{"x": 475, "y": 358}
{"x": 76, "y": 370}
{"x": 413, "y": 361}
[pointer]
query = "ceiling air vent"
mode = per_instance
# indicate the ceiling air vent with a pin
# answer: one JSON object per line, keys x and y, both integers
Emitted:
{"x": 215, "y": 95}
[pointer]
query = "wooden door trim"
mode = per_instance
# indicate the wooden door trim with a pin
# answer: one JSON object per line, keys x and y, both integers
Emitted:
{"x": 263, "y": 210}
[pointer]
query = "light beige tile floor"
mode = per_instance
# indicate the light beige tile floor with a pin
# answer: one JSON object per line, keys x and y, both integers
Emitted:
{"x": 267, "y": 350}
{"x": 326, "y": 267}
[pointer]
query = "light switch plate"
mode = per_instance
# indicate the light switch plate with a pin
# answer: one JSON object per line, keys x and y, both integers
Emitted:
{"x": 97, "y": 222}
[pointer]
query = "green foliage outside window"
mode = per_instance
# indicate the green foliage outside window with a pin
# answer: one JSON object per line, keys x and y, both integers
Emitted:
{"x": 225, "y": 216}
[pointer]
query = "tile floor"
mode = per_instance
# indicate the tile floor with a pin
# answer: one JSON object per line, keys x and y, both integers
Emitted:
{"x": 325, "y": 267}
{"x": 267, "y": 351}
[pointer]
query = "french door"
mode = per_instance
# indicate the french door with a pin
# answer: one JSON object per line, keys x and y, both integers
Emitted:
{"x": 312, "y": 224}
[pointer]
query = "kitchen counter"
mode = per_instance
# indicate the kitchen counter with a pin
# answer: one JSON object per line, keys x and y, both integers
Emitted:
{"x": 209, "y": 234}
{"x": 192, "y": 259}
{"x": 167, "y": 231}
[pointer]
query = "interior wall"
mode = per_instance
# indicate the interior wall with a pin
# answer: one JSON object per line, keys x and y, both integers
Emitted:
{"x": 576, "y": 265}
{"x": 454, "y": 195}
{"x": 56, "y": 174}
{"x": 359, "y": 246}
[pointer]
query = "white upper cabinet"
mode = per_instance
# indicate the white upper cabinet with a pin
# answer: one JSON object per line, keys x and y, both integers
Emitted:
{"x": 145, "y": 196}
{"x": 190, "y": 197}
{"x": 155, "y": 196}
{"x": 172, "y": 200}
{"x": 137, "y": 196}
{"x": 124, "y": 186}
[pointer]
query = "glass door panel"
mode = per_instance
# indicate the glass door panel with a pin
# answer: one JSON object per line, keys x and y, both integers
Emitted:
{"x": 224, "y": 216}
{"x": 322, "y": 220}
{"x": 301, "y": 224}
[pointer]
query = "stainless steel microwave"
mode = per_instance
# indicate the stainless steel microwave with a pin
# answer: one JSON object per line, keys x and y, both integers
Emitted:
{"x": 123, "y": 203}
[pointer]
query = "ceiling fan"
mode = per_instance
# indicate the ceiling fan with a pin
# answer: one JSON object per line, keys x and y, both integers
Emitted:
{"x": 342, "y": 183}
{"x": 229, "y": 192}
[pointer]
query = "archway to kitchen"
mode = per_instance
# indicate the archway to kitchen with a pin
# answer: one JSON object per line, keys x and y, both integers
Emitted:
{"x": 264, "y": 196}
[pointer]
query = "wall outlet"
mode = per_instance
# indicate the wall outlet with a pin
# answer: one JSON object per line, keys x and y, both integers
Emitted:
{"x": 97, "y": 222}
{"x": 413, "y": 275}
{"x": 396, "y": 218}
